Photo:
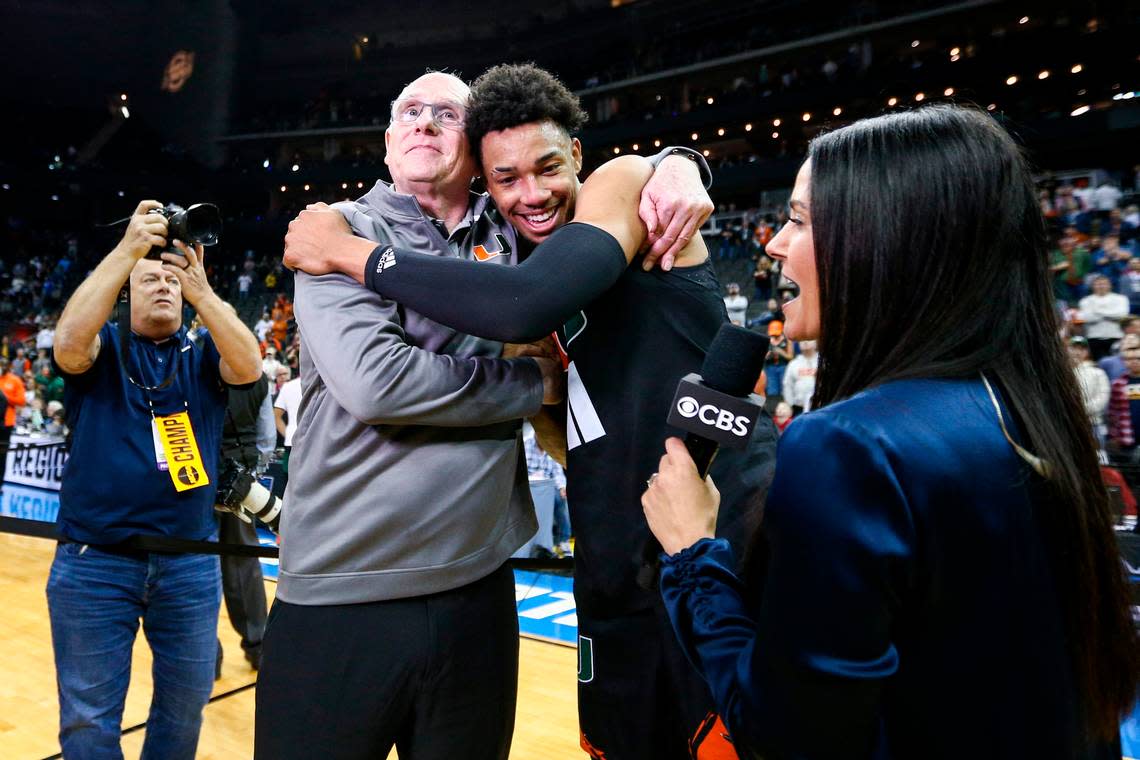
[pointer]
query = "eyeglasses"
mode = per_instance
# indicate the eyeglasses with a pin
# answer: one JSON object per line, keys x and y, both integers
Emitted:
{"x": 446, "y": 114}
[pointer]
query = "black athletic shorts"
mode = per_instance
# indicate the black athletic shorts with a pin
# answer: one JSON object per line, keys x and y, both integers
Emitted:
{"x": 638, "y": 697}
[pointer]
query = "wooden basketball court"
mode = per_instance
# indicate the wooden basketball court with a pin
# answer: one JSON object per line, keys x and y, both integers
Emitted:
{"x": 546, "y": 724}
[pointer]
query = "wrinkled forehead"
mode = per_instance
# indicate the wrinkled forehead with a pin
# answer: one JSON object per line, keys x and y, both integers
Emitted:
{"x": 144, "y": 267}
{"x": 434, "y": 87}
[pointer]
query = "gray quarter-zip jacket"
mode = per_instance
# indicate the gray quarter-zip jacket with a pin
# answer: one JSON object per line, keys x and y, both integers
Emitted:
{"x": 407, "y": 474}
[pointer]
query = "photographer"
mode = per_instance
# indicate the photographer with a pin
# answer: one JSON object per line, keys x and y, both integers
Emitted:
{"x": 248, "y": 438}
{"x": 146, "y": 411}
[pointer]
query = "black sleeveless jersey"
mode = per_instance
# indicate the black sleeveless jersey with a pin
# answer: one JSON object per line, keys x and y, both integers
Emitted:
{"x": 628, "y": 350}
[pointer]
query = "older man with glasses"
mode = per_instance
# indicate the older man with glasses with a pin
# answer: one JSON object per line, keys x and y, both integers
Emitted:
{"x": 395, "y": 620}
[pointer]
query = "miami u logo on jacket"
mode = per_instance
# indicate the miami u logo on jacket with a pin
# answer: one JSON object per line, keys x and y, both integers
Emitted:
{"x": 499, "y": 247}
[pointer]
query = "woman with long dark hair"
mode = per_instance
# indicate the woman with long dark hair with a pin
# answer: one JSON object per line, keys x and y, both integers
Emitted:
{"x": 937, "y": 571}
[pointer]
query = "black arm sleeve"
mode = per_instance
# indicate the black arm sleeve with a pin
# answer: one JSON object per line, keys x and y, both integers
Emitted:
{"x": 515, "y": 304}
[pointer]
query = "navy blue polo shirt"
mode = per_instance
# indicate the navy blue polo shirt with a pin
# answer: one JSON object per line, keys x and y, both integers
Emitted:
{"x": 112, "y": 488}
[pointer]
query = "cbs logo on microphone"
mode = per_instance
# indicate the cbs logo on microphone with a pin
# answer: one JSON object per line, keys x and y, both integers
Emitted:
{"x": 713, "y": 416}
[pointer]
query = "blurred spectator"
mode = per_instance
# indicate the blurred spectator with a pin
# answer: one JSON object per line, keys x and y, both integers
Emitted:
{"x": 31, "y": 416}
{"x": 1124, "y": 398}
{"x": 762, "y": 278}
{"x": 1093, "y": 383}
{"x": 735, "y": 304}
{"x": 1105, "y": 199}
{"x": 56, "y": 424}
{"x": 270, "y": 365}
{"x": 1070, "y": 263}
{"x": 1127, "y": 225}
{"x": 1109, "y": 259}
{"x": 782, "y": 417}
{"x": 280, "y": 377}
{"x": 261, "y": 329}
{"x": 12, "y": 387}
{"x": 1083, "y": 194}
{"x": 40, "y": 359}
{"x": 539, "y": 463}
{"x": 45, "y": 338}
{"x": 1113, "y": 365}
{"x": 779, "y": 354}
{"x": 21, "y": 365}
{"x": 799, "y": 378}
{"x": 1102, "y": 313}
{"x": 287, "y": 412}
{"x": 293, "y": 354}
{"x": 1130, "y": 285}
{"x": 281, "y": 314}
{"x": 729, "y": 243}
{"x": 50, "y": 386}
{"x": 31, "y": 390}
{"x": 771, "y": 312}
{"x": 245, "y": 283}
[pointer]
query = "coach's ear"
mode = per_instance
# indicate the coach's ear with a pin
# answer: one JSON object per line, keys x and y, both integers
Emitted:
{"x": 576, "y": 152}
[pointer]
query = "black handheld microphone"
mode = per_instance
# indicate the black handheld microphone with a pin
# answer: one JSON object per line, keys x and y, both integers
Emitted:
{"x": 715, "y": 408}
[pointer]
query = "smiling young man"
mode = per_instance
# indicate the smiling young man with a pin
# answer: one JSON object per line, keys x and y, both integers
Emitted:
{"x": 630, "y": 335}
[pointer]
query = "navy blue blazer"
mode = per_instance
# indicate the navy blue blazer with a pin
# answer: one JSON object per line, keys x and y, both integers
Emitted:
{"x": 906, "y": 608}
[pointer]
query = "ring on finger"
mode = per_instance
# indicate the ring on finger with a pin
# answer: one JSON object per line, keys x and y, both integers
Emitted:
{"x": 652, "y": 479}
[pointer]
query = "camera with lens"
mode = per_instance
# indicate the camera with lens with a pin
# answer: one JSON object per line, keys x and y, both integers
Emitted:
{"x": 240, "y": 492}
{"x": 201, "y": 223}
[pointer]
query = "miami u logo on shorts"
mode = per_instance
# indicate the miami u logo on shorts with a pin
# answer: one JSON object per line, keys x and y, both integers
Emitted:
{"x": 585, "y": 659}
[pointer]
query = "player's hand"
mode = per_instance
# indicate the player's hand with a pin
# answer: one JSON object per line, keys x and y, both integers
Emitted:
{"x": 553, "y": 380}
{"x": 680, "y": 508}
{"x": 188, "y": 267}
{"x": 308, "y": 242}
{"x": 674, "y": 204}
{"x": 144, "y": 231}
{"x": 544, "y": 348}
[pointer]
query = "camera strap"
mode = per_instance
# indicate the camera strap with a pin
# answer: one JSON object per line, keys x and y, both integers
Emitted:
{"x": 175, "y": 446}
{"x": 123, "y": 323}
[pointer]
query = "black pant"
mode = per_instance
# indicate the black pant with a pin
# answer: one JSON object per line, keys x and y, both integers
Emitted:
{"x": 5, "y": 442}
{"x": 1101, "y": 347}
{"x": 436, "y": 676}
{"x": 638, "y": 697}
{"x": 243, "y": 586}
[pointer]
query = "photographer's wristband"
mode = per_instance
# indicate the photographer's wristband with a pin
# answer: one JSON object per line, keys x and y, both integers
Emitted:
{"x": 689, "y": 153}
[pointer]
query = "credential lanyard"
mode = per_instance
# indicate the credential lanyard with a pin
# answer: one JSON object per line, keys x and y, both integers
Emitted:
{"x": 175, "y": 446}
{"x": 176, "y": 449}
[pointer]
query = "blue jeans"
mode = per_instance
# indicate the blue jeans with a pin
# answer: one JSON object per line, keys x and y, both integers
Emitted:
{"x": 95, "y": 601}
{"x": 775, "y": 375}
{"x": 561, "y": 528}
